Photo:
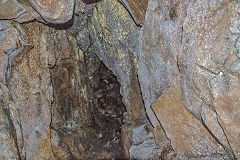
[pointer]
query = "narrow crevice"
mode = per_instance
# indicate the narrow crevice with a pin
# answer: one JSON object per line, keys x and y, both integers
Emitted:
{"x": 230, "y": 152}
{"x": 97, "y": 137}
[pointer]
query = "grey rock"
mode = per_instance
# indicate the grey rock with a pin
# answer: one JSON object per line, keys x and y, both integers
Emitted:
{"x": 146, "y": 150}
{"x": 139, "y": 134}
{"x": 54, "y": 11}
{"x": 159, "y": 43}
{"x": 10, "y": 9}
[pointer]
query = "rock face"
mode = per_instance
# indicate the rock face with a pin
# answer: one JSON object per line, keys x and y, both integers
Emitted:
{"x": 70, "y": 69}
{"x": 198, "y": 38}
{"x": 187, "y": 134}
{"x": 160, "y": 40}
{"x": 115, "y": 38}
{"x": 8, "y": 147}
{"x": 137, "y": 9}
{"x": 29, "y": 83}
{"x": 10, "y": 9}
{"x": 54, "y": 11}
{"x": 209, "y": 60}
{"x": 50, "y": 11}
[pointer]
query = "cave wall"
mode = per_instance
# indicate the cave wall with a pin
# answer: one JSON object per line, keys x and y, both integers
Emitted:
{"x": 178, "y": 67}
{"x": 188, "y": 58}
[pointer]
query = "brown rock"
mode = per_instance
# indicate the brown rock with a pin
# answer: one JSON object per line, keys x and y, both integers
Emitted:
{"x": 12, "y": 43}
{"x": 8, "y": 147}
{"x": 48, "y": 79}
{"x": 227, "y": 109}
{"x": 115, "y": 40}
{"x": 30, "y": 14}
{"x": 159, "y": 44}
{"x": 29, "y": 83}
{"x": 70, "y": 104}
{"x": 187, "y": 134}
{"x": 9, "y": 42}
{"x": 10, "y": 9}
{"x": 160, "y": 137}
{"x": 137, "y": 9}
{"x": 208, "y": 61}
{"x": 126, "y": 135}
{"x": 54, "y": 11}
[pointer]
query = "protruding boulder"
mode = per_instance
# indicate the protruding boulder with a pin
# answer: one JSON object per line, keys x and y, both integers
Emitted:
{"x": 54, "y": 11}
{"x": 10, "y": 9}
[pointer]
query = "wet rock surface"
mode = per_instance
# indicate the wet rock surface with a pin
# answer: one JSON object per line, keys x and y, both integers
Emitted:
{"x": 121, "y": 79}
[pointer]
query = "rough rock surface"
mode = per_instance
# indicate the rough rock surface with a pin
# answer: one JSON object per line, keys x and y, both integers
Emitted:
{"x": 29, "y": 84}
{"x": 201, "y": 40}
{"x": 54, "y": 11}
{"x": 209, "y": 62}
{"x": 187, "y": 134}
{"x": 8, "y": 147}
{"x": 137, "y": 9}
{"x": 181, "y": 68}
{"x": 115, "y": 38}
{"x": 10, "y": 9}
{"x": 51, "y": 11}
{"x": 159, "y": 43}
{"x": 143, "y": 143}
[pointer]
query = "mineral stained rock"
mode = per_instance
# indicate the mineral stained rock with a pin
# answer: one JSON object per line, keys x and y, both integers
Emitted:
{"x": 192, "y": 35}
{"x": 187, "y": 134}
{"x": 8, "y": 147}
{"x": 29, "y": 84}
{"x": 177, "y": 63}
{"x": 159, "y": 43}
{"x": 209, "y": 65}
{"x": 115, "y": 38}
{"x": 51, "y": 11}
{"x": 137, "y": 9}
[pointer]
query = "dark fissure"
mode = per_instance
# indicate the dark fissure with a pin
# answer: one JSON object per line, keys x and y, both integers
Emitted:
{"x": 92, "y": 130}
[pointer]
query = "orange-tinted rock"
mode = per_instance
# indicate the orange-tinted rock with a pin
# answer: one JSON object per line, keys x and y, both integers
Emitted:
{"x": 160, "y": 136}
{"x": 159, "y": 44}
{"x": 29, "y": 83}
{"x": 187, "y": 134}
{"x": 209, "y": 64}
{"x": 137, "y": 9}
{"x": 227, "y": 108}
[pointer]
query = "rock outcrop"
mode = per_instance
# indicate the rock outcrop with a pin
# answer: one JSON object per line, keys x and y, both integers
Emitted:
{"x": 115, "y": 38}
{"x": 199, "y": 39}
{"x": 70, "y": 69}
